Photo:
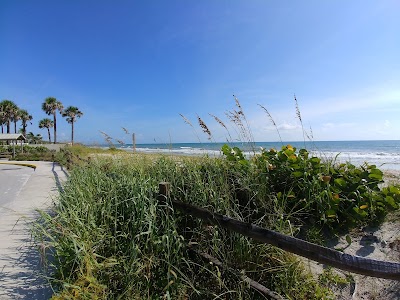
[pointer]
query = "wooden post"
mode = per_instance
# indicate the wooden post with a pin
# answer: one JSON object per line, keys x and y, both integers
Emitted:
{"x": 163, "y": 191}
{"x": 133, "y": 142}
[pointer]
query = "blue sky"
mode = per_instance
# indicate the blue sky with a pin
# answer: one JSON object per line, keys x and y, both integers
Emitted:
{"x": 139, "y": 64}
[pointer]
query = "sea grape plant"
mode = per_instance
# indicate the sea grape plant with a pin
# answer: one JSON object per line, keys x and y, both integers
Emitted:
{"x": 337, "y": 196}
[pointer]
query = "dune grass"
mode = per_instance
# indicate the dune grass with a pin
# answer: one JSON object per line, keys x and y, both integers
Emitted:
{"x": 110, "y": 238}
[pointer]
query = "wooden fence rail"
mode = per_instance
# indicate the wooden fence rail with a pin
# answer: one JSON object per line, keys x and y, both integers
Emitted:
{"x": 340, "y": 260}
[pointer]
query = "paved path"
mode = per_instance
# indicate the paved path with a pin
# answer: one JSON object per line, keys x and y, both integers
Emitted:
{"x": 12, "y": 179}
{"x": 22, "y": 190}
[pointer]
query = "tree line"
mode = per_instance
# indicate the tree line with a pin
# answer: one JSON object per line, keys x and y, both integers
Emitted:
{"x": 11, "y": 114}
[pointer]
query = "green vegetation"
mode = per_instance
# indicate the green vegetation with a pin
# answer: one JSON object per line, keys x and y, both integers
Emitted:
{"x": 24, "y": 117}
{"x": 30, "y": 153}
{"x": 110, "y": 238}
{"x": 46, "y": 123}
{"x": 10, "y": 112}
{"x": 72, "y": 113}
{"x": 50, "y": 107}
{"x": 320, "y": 194}
{"x": 64, "y": 156}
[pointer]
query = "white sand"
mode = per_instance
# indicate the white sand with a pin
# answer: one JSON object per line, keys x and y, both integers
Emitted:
{"x": 381, "y": 243}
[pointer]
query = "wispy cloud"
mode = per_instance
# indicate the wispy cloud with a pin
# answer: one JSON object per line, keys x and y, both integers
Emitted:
{"x": 289, "y": 126}
{"x": 330, "y": 126}
{"x": 373, "y": 98}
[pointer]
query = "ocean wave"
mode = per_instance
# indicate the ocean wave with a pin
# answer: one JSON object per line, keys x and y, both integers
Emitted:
{"x": 358, "y": 157}
{"x": 180, "y": 150}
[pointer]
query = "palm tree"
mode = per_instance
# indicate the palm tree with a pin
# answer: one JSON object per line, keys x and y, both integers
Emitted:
{"x": 25, "y": 118}
{"x": 38, "y": 138}
{"x": 34, "y": 139}
{"x": 9, "y": 111}
{"x": 30, "y": 137}
{"x": 50, "y": 107}
{"x": 16, "y": 116}
{"x": 72, "y": 113}
{"x": 46, "y": 123}
{"x": 2, "y": 118}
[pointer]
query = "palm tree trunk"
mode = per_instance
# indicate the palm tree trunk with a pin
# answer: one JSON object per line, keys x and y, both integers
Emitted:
{"x": 8, "y": 130}
{"x": 23, "y": 128}
{"x": 72, "y": 133}
{"x": 15, "y": 126}
{"x": 48, "y": 131}
{"x": 55, "y": 128}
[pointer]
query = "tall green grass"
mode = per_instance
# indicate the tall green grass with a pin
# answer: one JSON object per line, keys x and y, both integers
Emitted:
{"x": 110, "y": 238}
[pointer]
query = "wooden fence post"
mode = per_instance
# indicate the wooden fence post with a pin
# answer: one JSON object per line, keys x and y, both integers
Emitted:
{"x": 163, "y": 191}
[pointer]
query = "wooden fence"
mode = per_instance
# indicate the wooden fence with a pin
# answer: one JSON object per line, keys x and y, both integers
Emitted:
{"x": 337, "y": 259}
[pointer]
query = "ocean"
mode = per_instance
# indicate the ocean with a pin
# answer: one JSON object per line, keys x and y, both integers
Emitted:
{"x": 383, "y": 154}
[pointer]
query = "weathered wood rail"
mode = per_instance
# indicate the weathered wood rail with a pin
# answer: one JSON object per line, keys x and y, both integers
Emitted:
{"x": 337, "y": 259}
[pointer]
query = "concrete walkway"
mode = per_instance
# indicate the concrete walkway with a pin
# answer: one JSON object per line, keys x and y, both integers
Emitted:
{"x": 20, "y": 261}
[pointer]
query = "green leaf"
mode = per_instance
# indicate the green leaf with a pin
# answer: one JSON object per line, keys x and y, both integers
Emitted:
{"x": 330, "y": 213}
{"x": 226, "y": 150}
{"x": 282, "y": 156}
{"x": 391, "y": 202}
{"x": 348, "y": 239}
{"x": 340, "y": 182}
{"x": 244, "y": 162}
{"x": 297, "y": 174}
{"x": 303, "y": 153}
{"x": 289, "y": 152}
{"x": 315, "y": 160}
{"x": 375, "y": 174}
{"x": 360, "y": 212}
{"x": 377, "y": 177}
{"x": 394, "y": 190}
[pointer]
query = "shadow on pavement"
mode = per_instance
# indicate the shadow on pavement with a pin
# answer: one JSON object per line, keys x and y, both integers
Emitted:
{"x": 25, "y": 279}
{"x": 57, "y": 178}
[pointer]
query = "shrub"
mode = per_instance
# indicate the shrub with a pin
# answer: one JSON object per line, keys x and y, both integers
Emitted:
{"x": 337, "y": 196}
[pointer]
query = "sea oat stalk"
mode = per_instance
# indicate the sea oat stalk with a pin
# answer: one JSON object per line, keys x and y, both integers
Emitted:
{"x": 272, "y": 121}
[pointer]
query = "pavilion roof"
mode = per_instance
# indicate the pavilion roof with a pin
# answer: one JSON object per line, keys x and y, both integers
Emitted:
{"x": 11, "y": 137}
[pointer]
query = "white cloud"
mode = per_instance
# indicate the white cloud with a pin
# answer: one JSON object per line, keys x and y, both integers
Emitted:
{"x": 288, "y": 126}
{"x": 330, "y": 125}
{"x": 370, "y": 99}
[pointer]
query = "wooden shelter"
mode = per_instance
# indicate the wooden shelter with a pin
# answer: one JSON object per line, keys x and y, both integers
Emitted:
{"x": 14, "y": 138}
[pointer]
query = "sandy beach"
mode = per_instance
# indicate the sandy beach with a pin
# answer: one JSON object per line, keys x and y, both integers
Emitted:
{"x": 380, "y": 243}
